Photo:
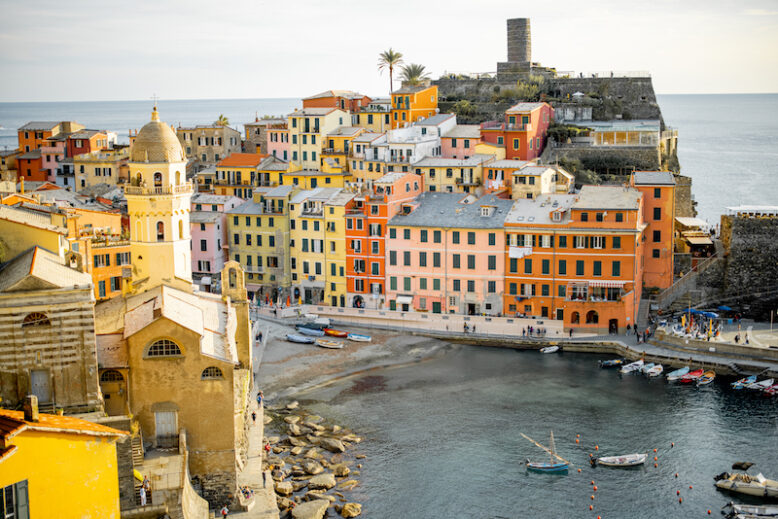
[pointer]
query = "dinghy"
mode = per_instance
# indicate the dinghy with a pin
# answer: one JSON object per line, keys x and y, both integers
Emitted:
{"x": 613, "y": 363}
{"x": 634, "y": 366}
{"x": 678, "y": 373}
{"x": 627, "y": 460}
{"x": 706, "y": 378}
{"x": 327, "y": 343}
{"x": 772, "y": 390}
{"x": 311, "y": 326}
{"x": 743, "y": 382}
{"x": 656, "y": 370}
{"x": 335, "y": 333}
{"x": 647, "y": 367}
{"x": 752, "y": 510}
{"x": 359, "y": 337}
{"x": 549, "y": 349}
{"x": 761, "y": 385}
{"x": 555, "y": 465}
{"x": 692, "y": 376}
{"x": 310, "y": 331}
{"x": 301, "y": 339}
{"x": 758, "y": 485}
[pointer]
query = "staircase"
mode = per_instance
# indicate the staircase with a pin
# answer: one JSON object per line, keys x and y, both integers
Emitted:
{"x": 47, "y": 407}
{"x": 137, "y": 450}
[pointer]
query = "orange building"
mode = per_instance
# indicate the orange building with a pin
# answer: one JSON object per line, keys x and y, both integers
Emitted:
{"x": 523, "y": 132}
{"x": 658, "y": 188}
{"x": 576, "y": 258}
{"x": 29, "y": 167}
{"x": 366, "y": 223}
{"x": 411, "y": 103}
{"x": 86, "y": 141}
{"x": 345, "y": 100}
{"x": 237, "y": 174}
{"x": 34, "y": 134}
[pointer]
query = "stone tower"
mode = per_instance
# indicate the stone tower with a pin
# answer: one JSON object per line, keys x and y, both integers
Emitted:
{"x": 519, "y": 41}
{"x": 158, "y": 203}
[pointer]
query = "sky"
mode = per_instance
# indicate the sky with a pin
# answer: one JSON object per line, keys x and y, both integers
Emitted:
{"x": 96, "y": 50}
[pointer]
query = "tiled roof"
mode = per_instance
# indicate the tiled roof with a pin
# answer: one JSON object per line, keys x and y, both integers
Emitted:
{"x": 273, "y": 163}
{"x": 315, "y": 173}
{"x": 21, "y": 216}
{"x": 279, "y": 191}
{"x": 607, "y": 197}
{"x": 43, "y": 265}
{"x": 509, "y": 163}
{"x": 368, "y": 137}
{"x": 31, "y": 155}
{"x": 241, "y": 160}
{"x": 434, "y": 120}
{"x": 654, "y": 178}
{"x": 208, "y": 198}
{"x": 538, "y": 211}
{"x": 464, "y": 131}
{"x": 345, "y": 131}
{"x": 348, "y": 94}
{"x": 204, "y": 216}
{"x": 436, "y": 209}
{"x": 13, "y": 422}
{"x": 40, "y": 125}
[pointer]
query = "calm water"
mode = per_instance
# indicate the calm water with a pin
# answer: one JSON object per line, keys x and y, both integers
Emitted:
{"x": 727, "y": 143}
{"x": 442, "y": 437}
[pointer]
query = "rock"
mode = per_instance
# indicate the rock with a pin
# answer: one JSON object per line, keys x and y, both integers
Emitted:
{"x": 284, "y": 488}
{"x": 360, "y": 456}
{"x": 278, "y": 475}
{"x": 356, "y": 473}
{"x": 313, "y": 426}
{"x": 351, "y": 438}
{"x": 313, "y": 439}
{"x": 324, "y": 463}
{"x": 336, "y": 428}
{"x": 341, "y": 470}
{"x": 296, "y": 451}
{"x": 338, "y": 494}
{"x": 351, "y": 510}
{"x": 297, "y": 442}
{"x": 312, "y": 467}
{"x": 278, "y": 450}
{"x": 273, "y": 439}
{"x": 297, "y": 472}
{"x": 267, "y": 419}
{"x": 275, "y": 460}
{"x": 292, "y": 419}
{"x": 348, "y": 485}
{"x": 338, "y": 508}
{"x": 301, "y": 478}
{"x": 293, "y": 405}
{"x": 294, "y": 429}
{"x": 315, "y": 418}
{"x": 299, "y": 485}
{"x": 359, "y": 465}
{"x": 333, "y": 445}
{"x": 311, "y": 509}
{"x": 312, "y": 454}
{"x": 318, "y": 494}
{"x": 283, "y": 503}
{"x": 325, "y": 481}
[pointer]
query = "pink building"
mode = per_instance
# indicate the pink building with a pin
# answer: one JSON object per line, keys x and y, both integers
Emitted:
{"x": 208, "y": 221}
{"x": 459, "y": 142}
{"x": 278, "y": 141}
{"x": 53, "y": 151}
{"x": 445, "y": 254}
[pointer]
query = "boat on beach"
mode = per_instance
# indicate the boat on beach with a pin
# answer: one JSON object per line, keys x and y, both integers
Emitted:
{"x": 328, "y": 343}
{"x": 612, "y": 363}
{"x": 743, "y": 382}
{"x": 678, "y": 373}
{"x": 692, "y": 376}
{"x": 655, "y": 371}
{"x": 313, "y": 332}
{"x": 359, "y": 337}
{"x": 335, "y": 333}
{"x": 706, "y": 378}
{"x": 758, "y": 486}
{"x": 549, "y": 349}
{"x": 311, "y": 326}
{"x": 300, "y": 339}
{"x": 633, "y": 366}
{"x": 761, "y": 385}
{"x": 626, "y": 460}
{"x": 555, "y": 465}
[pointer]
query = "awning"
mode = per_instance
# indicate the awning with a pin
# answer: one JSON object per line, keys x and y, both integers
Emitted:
{"x": 404, "y": 300}
{"x": 519, "y": 252}
{"x": 688, "y": 221}
{"x": 205, "y": 280}
{"x": 607, "y": 284}
{"x": 698, "y": 240}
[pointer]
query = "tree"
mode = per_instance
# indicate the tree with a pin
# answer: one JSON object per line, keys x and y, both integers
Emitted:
{"x": 222, "y": 120}
{"x": 463, "y": 108}
{"x": 414, "y": 74}
{"x": 389, "y": 59}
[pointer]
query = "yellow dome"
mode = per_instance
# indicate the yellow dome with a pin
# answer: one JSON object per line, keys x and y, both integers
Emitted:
{"x": 156, "y": 142}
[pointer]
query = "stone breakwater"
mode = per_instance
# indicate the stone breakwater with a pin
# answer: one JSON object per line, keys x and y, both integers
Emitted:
{"x": 314, "y": 464}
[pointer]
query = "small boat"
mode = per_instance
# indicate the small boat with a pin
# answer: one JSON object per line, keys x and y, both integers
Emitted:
{"x": 692, "y": 376}
{"x": 556, "y": 465}
{"x": 656, "y": 370}
{"x": 647, "y": 367}
{"x": 327, "y": 343}
{"x": 627, "y": 460}
{"x": 772, "y": 390}
{"x": 634, "y": 366}
{"x": 359, "y": 337}
{"x": 706, "y": 378}
{"x": 549, "y": 349}
{"x": 310, "y": 331}
{"x": 761, "y": 385}
{"x": 743, "y": 382}
{"x": 741, "y": 483}
{"x": 612, "y": 363}
{"x": 335, "y": 333}
{"x": 751, "y": 510}
{"x": 311, "y": 326}
{"x": 301, "y": 339}
{"x": 678, "y": 373}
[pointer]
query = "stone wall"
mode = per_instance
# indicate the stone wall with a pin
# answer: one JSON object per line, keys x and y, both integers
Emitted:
{"x": 519, "y": 40}
{"x": 612, "y": 160}
{"x": 124, "y": 460}
{"x": 684, "y": 204}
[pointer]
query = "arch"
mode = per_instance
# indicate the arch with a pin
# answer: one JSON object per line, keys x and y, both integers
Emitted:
{"x": 35, "y": 319}
{"x": 138, "y": 179}
{"x": 211, "y": 373}
{"x": 160, "y": 231}
{"x": 575, "y": 318}
{"x": 178, "y": 178}
{"x": 232, "y": 276}
{"x": 111, "y": 375}
{"x": 180, "y": 229}
{"x": 163, "y": 348}
{"x": 158, "y": 179}
{"x": 592, "y": 317}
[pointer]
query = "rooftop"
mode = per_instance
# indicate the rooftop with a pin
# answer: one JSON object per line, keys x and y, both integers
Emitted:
{"x": 442, "y": 162}
{"x": 621, "y": 125}
{"x": 532, "y": 170}
{"x": 411, "y": 89}
{"x": 241, "y": 160}
{"x": 47, "y": 268}
{"x": 279, "y": 191}
{"x": 248, "y": 207}
{"x": 435, "y": 120}
{"x": 464, "y": 131}
{"x": 40, "y": 125}
{"x": 608, "y": 197}
{"x": 31, "y": 155}
{"x": 29, "y": 218}
{"x": 653, "y": 178}
{"x": 345, "y": 131}
{"x": 204, "y": 216}
{"x": 84, "y": 134}
{"x": 538, "y": 211}
{"x": 207, "y": 198}
{"x": 368, "y": 137}
{"x": 524, "y": 107}
{"x": 436, "y": 209}
{"x": 312, "y": 112}
{"x": 13, "y": 423}
{"x": 265, "y": 122}
{"x": 390, "y": 178}
{"x": 315, "y": 173}
{"x": 510, "y": 163}
{"x": 320, "y": 193}
{"x": 348, "y": 94}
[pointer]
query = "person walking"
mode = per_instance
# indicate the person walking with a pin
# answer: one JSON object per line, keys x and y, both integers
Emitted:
{"x": 474, "y": 331}
{"x": 224, "y": 511}
{"x": 254, "y": 417}
{"x": 142, "y": 496}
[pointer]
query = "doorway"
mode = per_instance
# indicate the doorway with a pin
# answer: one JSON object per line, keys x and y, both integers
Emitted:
{"x": 472, "y": 308}
{"x": 166, "y": 428}
{"x": 613, "y": 326}
{"x": 114, "y": 392}
{"x": 40, "y": 385}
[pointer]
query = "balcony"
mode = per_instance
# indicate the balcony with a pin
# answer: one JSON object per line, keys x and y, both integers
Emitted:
{"x": 253, "y": 269}
{"x": 519, "y": 127}
{"x": 333, "y": 151}
{"x": 166, "y": 190}
{"x": 468, "y": 182}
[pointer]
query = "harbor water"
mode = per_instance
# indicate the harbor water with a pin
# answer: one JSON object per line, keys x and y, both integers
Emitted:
{"x": 442, "y": 437}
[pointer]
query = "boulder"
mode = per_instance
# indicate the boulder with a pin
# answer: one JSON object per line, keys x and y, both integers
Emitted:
{"x": 336, "y": 428}
{"x": 332, "y": 445}
{"x": 312, "y": 467}
{"x": 293, "y": 405}
{"x": 278, "y": 450}
{"x": 278, "y": 475}
{"x": 298, "y": 472}
{"x": 283, "y": 503}
{"x": 351, "y": 438}
{"x": 313, "y": 426}
{"x": 297, "y": 442}
{"x": 313, "y": 439}
{"x": 322, "y": 481}
{"x": 315, "y": 418}
{"x": 319, "y": 494}
{"x": 311, "y": 509}
{"x": 292, "y": 419}
{"x": 351, "y": 510}
{"x": 284, "y": 488}
{"x": 294, "y": 429}
{"x": 348, "y": 485}
{"x": 275, "y": 460}
{"x": 296, "y": 450}
{"x": 299, "y": 485}
{"x": 273, "y": 439}
{"x": 341, "y": 470}
{"x": 267, "y": 419}
{"x": 360, "y": 456}
{"x": 312, "y": 454}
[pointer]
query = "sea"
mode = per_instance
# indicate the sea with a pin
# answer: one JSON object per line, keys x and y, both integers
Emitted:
{"x": 728, "y": 144}
{"x": 442, "y": 438}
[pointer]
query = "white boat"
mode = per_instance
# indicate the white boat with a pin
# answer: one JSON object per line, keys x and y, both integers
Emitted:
{"x": 678, "y": 373}
{"x": 359, "y": 337}
{"x": 655, "y": 371}
{"x": 761, "y": 385}
{"x": 646, "y": 367}
{"x": 328, "y": 343}
{"x": 757, "y": 485}
{"x": 549, "y": 349}
{"x": 752, "y": 510}
{"x": 633, "y": 366}
{"x": 627, "y": 460}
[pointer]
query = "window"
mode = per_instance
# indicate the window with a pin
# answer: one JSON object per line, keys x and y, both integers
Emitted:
{"x": 163, "y": 348}
{"x": 392, "y": 283}
{"x": 15, "y": 501}
{"x": 236, "y": 239}
{"x": 657, "y": 236}
{"x": 584, "y": 217}
{"x": 545, "y": 290}
{"x": 617, "y": 242}
{"x": 619, "y": 217}
{"x": 546, "y": 266}
{"x": 422, "y": 259}
{"x": 111, "y": 375}
{"x": 598, "y": 268}
{"x": 579, "y": 242}
{"x": 455, "y": 261}
{"x": 492, "y": 238}
{"x": 407, "y": 284}
{"x": 436, "y": 284}
{"x": 406, "y": 234}
{"x": 492, "y": 262}
{"x": 561, "y": 290}
{"x": 456, "y": 285}
{"x": 470, "y": 285}
{"x": 393, "y": 233}
{"x": 598, "y": 242}
{"x": 423, "y": 236}
{"x": 436, "y": 259}
{"x": 616, "y": 269}
{"x": 592, "y": 317}
{"x": 575, "y": 318}
{"x": 563, "y": 242}
{"x": 657, "y": 213}
{"x": 562, "y": 267}
{"x": 657, "y": 192}
{"x": 515, "y": 144}
{"x": 512, "y": 289}
{"x": 579, "y": 268}
{"x": 471, "y": 238}
{"x": 35, "y": 319}
{"x": 527, "y": 265}
{"x": 471, "y": 261}
{"x": 160, "y": 231}
{"x": 101, "y": 288}
{"x": 655, "y": 253}
{"x": 211, "y": 373}
{"x": 392, "y": 257}
{"x": 455, "y": 237}
{"x": 407, "y": 258}
{"x": 491, "y": 287}
{"x": 514, "y": 265}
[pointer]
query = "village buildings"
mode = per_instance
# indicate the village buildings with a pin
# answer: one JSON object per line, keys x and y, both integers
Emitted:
{"x": 523, "y": 131}
{"x": 207, "y": 144}
{"x": 208, "y": 221}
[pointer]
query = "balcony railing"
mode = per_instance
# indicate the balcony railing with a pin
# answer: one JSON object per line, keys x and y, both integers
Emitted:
{"x": 333, "y": 151}
{"x": 527, "y": 127}
{"x": 165, "y": 190}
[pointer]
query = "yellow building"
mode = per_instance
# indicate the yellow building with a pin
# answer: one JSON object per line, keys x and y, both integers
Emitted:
{"x": 452, "y": 175}
{"x": 311, "y": 179}
{"x": 101, "y": 167}
{"x": 271, "y": 171}
{"x": 57, "y": 466}
{"x": 335, "y": 244}
{"x": 411, "y": 103}
{"x": 20, "y": 230}
{"x": 237, "y": 174}
{"x": 375, "y": 117}
{"x": 307, "y": 130}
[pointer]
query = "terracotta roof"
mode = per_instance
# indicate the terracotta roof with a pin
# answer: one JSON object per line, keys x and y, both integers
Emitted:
{"x": 242, "y": 160}
{"x": 48, "y": 268}
{"x": 13, "y": 422}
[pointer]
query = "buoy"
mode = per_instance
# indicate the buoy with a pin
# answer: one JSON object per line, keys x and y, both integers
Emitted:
{"x": 676, "y": 474}
{"x": 655, "y": 465}
{"x": 680, "y": 500}
{"x": 590, "y": 455}
{"x": 654, "y": 450}
{"x": 690, "y": 487}
{"x": 577, "y": 435}
{"x": 672, "y": 445}
{"x": 592, "y": 498}
{"x": 596, "y": 447}
{"x": 591, "y": 507}
{"x": 677, "y": 492}
{"x": 579, "y": 470}
{"x": 655, "y": 458}
{"x": 708, "y": 512}
{"x": 577, "y": 440}
{"x": 591, "y": 482}
{"x": 595, "y": 488}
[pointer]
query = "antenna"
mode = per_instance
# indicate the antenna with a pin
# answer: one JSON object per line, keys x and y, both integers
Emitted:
{"x": 155, "y": 97}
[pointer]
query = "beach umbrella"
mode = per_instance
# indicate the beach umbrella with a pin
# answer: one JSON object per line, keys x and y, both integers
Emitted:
{"x": 725, "y": 308}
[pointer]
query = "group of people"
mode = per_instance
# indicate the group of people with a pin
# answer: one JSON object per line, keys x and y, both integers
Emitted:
{"x": 145, "y": 490}
{"x": 640, "y": 337}
{"x": 470, "y": 329}
{"x": 531, "y": 331}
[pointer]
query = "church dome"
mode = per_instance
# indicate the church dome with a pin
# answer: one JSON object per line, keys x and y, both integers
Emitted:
{"x": 156, "y": 142}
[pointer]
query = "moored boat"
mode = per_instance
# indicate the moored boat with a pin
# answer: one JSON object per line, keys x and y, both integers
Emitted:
{"x": 555, "y": 465}
{"x": 612, "y": 363}
{"x": 335, "y": 333}
{"x": 751, "y": 510}
{"x": 656, "y": 370}
{"x": 311, "y": 326}
{"x": 758, "y": 485}
{"x": 549, "y": 349}
{"x": 772, "y": 390}
{"x": 761, "y": 385}
{"x": 743, "y": 382}
{"x": 678, "y": 373}
{"x": 692, "y": 376}
{"x": 313, "y": 332}
{"x": 301, "y": 339}
{"x": 647, "y": 367}
{"x": 633, "y": 366}
{"x": 626, "y": 460}
{"x": 327, "y": 343}
{"x": 706, "y": 378}
{"x": 359, "y": 337}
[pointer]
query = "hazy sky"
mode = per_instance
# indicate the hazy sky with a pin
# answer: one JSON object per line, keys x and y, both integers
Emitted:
{"x": 98, "y": 50}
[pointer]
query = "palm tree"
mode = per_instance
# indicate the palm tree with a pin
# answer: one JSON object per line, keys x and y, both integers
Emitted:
{"x": 413, "y": 74}
{"x": 222, "y": 120}
{"x": 389, "y": 59}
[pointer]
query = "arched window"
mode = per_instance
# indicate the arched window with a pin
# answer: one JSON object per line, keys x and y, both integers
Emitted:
{"x": 111, "y": 376}
{"x": 160, "y": 231}
{"x": 163, "y": 348}
{"x": 575, "y": 318}
{"x": 211, "y": 373}
{"x": 157, "y": 179}
{"x": 178, "y": 178}
{"x": 35, "y": 319}
{"x": 592, "y": 317}
{"x": 180, "y": 229}
{"x": 138, "y": 179}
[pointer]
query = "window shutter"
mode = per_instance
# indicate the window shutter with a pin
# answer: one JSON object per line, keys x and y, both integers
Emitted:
{"x": 23, "y": 500}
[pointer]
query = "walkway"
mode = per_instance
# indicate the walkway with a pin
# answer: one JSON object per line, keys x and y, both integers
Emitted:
{"x": 265, "y": 506}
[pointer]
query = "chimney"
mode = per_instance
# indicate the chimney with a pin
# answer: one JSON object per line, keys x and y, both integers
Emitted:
{"x": 30, "y": 408}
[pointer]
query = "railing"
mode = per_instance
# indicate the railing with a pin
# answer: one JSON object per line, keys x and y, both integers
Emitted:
{"x": 684, "y": 284}
{"x": 526, "y": 127}
{"x": 166, "y": 190}
{"x": 110, "y": 243}
{"x": 333, "y": 151}
{"x": 253, "y": 269}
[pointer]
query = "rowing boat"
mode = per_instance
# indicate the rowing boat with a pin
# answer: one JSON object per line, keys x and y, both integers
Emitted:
{"x": 678, "y": 373}
{"x": 761, "y": 385}
{"x": 655, "y": 371}
{"x": 549, "y": 349}
{"x": 743, "y": 382}
{"x": 634, "y": 366}
{"x": 612, "y": 363}
{"x": 335, "y": 333}
{"x": 647, "y": 367}
{"x": 752, "y": 510}
{"x": 772, "y": 390}
{"x": 692, "y": 376}
{"x": 313, "y": 332}
{"x": 627, "y": 460}
{"x": 327, "y": 343}
{"x": 359, "y": 337}
{"x": 301, "y": 339}
{"x": 552, "y": 466}
{"x": 706, "y": 378}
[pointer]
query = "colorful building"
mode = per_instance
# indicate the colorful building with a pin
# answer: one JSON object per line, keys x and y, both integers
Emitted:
{"x": 46, "y": 461}
{"x": 208, "y": 223}
{"x": 345, "y": 100}
{"x": 29, "y": 167}
{"x": 311, "y": 179}
{"x": 453, "y": 175}
{"x": 366, "y": 227}
{"x": 257, "y": 134}
{"x": 532, "y": 181}
{"x": 102, "y": 167}
{"x": 446, "y": 254}
{"x": 658, "y": 188}
{"x": 460, "y": 142}
{"x": 238, "y": 174}
{"x": 53, "y": 152}
{"x": 411, "y": 103}
{"x": 278, "y": 140}
{"x": 207, "y": 144}
{"x": 335, "y": 209}
{"x": 33, "y": 135}
{"x": 88, "y": 141}
{"x": 339, "y": 144}
{"x": 522, "y": 132}
{"x": 307, "y": 130}
{"x": 375, "y": 116}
